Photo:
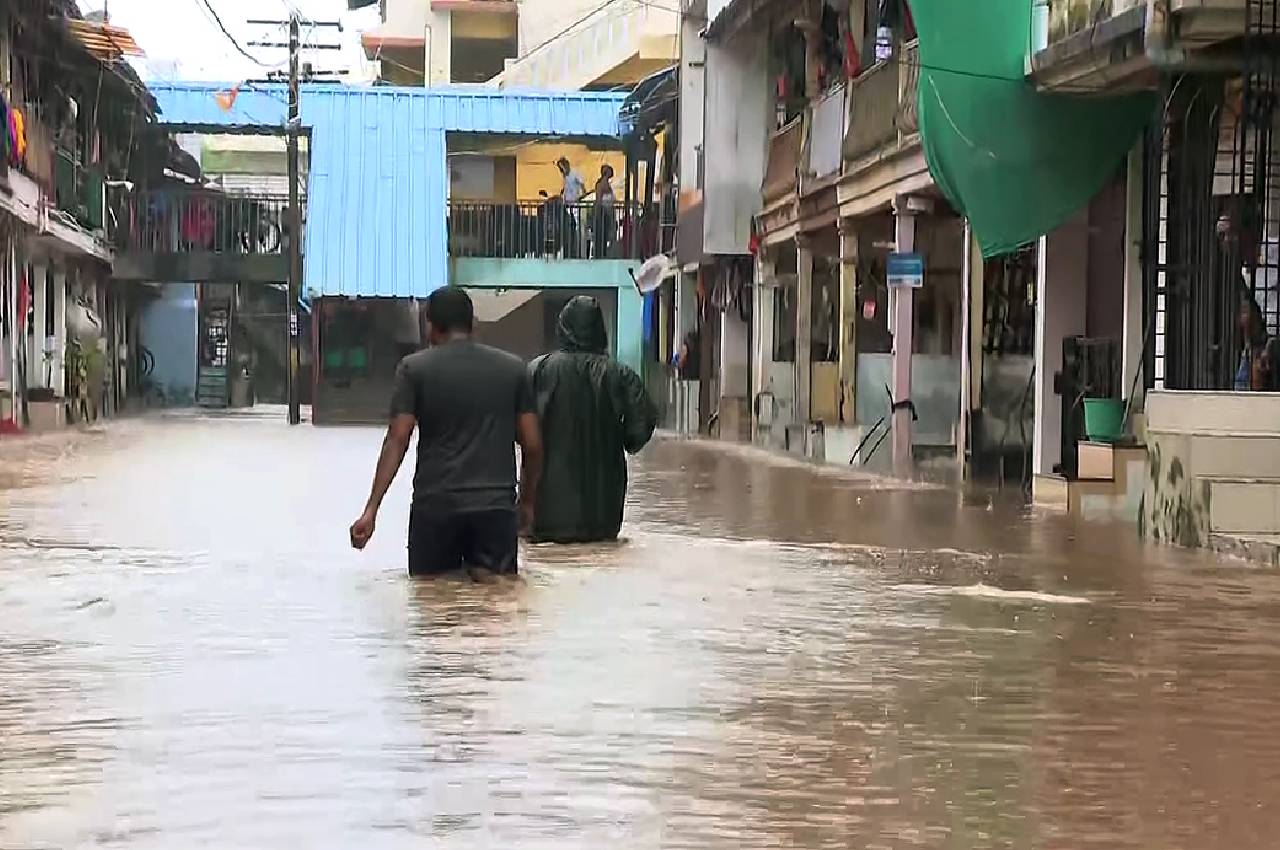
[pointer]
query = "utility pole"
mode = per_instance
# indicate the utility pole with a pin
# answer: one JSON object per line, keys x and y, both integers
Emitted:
{"x": 293, "y": 216}
{"x": 294, "y": 379}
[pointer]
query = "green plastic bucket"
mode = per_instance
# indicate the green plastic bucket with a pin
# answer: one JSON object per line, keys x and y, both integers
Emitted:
{"x": 1104, "y": 419}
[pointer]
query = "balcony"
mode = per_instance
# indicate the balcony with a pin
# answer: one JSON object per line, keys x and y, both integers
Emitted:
{"x": 882, "y": 105}
{"x": 1095, "y": 47}
{"x": 883, "y": 157}
{"x": 79, "y": 191}
{"x": 39, "y": 164}
{"x": 200, "y": 236}
{"x": 782, "y": 168}
{"x": 549, "y": 229}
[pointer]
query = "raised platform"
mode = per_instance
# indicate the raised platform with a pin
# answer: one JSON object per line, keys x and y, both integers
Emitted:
{"x": 1110, "y": 486}
{"x": 1215, "y": 469}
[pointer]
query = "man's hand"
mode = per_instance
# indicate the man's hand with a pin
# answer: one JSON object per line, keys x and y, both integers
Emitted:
{"x": 362, "y": 530}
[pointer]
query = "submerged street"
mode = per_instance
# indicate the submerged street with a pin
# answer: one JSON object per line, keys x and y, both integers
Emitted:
{"x": 777, "y": 656}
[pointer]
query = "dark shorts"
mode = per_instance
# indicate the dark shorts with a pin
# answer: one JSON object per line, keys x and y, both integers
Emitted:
{"x": 442, "y": 543}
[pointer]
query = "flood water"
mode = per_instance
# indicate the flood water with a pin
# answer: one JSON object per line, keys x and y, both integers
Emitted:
{"x": 190, "y": 656}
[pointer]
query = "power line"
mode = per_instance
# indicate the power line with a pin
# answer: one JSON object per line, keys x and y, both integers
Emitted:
{"x": 231, "y": 38}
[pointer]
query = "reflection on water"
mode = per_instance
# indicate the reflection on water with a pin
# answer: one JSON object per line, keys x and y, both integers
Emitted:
{"x": 189, "y": 656}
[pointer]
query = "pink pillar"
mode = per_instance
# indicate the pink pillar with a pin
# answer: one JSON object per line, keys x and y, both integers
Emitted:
{"x": 903, "y": 313}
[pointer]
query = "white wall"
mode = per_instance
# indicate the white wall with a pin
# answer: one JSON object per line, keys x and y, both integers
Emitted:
{"x": 414, "y": 19}
{"x": 693, "y": 57}
{"x": 737, "y": 120}
{"x": 554, "y": 54}
{"x": 734, "y": 356}
{"x": 407, "y": 17}
{"x": 1060, "y": 313}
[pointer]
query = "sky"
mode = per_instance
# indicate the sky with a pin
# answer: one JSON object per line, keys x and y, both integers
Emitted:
{"x": 182, "y": 41}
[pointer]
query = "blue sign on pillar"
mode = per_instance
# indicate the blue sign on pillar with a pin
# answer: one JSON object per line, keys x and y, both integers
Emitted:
{"x": 905, "y": 270}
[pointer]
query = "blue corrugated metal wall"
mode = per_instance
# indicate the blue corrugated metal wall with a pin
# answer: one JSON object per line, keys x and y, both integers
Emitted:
{"x": 376, "y": 217}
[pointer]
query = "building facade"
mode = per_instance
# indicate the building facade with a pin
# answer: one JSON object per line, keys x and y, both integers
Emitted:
{"x": 75, "y": 142}
{"x": 955, "y": 266}
{"x": 384, "y": 226}
{"x": 1200, "y": 264}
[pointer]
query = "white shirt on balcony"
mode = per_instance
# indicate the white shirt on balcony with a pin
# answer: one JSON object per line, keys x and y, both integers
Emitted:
{"x": 574, "y": 187}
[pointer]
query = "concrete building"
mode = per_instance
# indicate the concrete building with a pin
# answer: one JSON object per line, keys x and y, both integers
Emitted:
{"x": 383, "y": 229}
{"x": 1200, "y": 213}
{"x": 542, "y": 44}
{"x": 74, "y": 142}
{"x": 810, "y": 168}
{"x": 812, "y": 158}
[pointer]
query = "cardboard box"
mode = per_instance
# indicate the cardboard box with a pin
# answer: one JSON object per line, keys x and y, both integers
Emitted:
{"x": 1095, "y": 462}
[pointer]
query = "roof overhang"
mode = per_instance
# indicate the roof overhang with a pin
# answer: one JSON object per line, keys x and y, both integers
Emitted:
{"x": 487, "y": 7}
{"x": 375, "y": 41}
{"x": 727, "y": 17}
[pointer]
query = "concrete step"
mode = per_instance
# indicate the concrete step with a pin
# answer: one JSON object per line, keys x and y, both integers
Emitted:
{"x": 1261, "y": 549}
{"x": 1243, "y": 505}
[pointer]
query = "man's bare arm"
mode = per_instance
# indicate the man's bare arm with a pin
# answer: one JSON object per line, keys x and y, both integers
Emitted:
{"x": 529, "y": 435}
{"x": 394, "y": 446}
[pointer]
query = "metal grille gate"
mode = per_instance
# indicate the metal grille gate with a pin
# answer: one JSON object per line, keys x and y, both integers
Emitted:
{"x": 1212, "y": 213}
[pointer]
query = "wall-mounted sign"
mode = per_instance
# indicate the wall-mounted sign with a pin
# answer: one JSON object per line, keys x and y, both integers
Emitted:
{"x": 905, "y": 270}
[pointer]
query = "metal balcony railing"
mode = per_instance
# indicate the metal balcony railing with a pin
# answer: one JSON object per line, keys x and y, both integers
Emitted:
{"x": 169, "y": 221}
{"x": 551, "y": 229}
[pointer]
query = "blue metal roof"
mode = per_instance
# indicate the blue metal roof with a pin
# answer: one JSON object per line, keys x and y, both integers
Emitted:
{"x": 379, "y": 186}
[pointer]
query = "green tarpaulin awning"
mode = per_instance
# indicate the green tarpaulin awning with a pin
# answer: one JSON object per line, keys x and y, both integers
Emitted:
{"x": 1015, "y": 161}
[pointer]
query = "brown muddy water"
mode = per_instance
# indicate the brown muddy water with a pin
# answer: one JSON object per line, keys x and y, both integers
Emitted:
{"x": 190, "y": 656}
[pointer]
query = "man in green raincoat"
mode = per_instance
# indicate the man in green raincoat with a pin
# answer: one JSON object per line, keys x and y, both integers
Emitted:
{"x": 594, "y": 411}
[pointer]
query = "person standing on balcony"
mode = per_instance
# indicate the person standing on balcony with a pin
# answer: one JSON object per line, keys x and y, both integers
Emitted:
{"x": 572, "y": 192}
{"x": 574, "y": 188}
{"x": 594, "y": 411}
{"x": 605, "y": 220}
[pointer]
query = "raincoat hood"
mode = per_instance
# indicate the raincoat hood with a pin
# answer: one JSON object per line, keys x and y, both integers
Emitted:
{"x": 581, "y": 327}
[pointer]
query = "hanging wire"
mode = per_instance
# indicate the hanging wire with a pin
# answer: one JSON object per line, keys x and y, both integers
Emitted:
{"x": 231, "y": 38}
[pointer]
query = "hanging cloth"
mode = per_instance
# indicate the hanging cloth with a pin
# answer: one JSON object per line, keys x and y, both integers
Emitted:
{"x": 19, "y": 136}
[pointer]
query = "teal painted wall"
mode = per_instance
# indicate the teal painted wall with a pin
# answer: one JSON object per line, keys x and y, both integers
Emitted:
{"x": 484, "y": 273}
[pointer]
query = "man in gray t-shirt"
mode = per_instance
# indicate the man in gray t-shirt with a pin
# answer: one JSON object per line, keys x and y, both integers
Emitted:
{"x": 470, "y": 404}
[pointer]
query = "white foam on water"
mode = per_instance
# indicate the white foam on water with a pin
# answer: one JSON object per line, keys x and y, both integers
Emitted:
{"x": 986, "y": 591}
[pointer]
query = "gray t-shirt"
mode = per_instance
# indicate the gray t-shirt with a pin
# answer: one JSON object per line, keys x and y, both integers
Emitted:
{"x": 466, "y": 398}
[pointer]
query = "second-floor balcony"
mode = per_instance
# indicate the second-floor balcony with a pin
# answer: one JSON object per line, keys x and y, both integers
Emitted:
{"x": 882, "y": 104}
{"x": 198, "y": 235}
{"x": 549, "y": 229}
{"x": 79, "y": 190}
{"x": 782, "y": 167}
{"x": 1108, "y": 46}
